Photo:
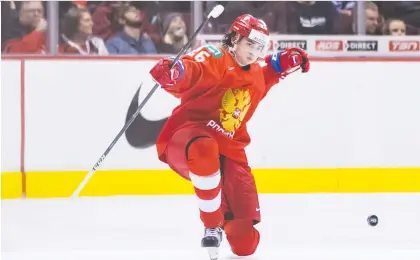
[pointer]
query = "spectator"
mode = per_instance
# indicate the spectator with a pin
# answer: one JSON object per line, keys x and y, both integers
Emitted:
{"x": 104, "y": 16}
{"x": 105, "y": 19}
{"x": 312, "y": 17}
{"x": 26, "y": 32}
{"x": 395, "y": 27}
{"x": 151, "y": 20}
{"x": 77, "y": 34}
{"x": 174, "y": 34}
{"x": 131, "y": 39}
{"x": 372, "y": 18}
{"x": 372, "y": 22}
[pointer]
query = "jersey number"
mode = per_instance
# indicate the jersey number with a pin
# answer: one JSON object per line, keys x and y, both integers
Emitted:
{"x": 205, "y": 52}
{"x": 201, "y": 56}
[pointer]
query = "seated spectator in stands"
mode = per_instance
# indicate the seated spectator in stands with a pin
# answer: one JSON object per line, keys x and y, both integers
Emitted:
{"x": 373, "y": 21}
{"x": 131, "y": 39}
{"x": 151, "y": 19}
{"x": 174, "y": 34}
{"x": 395, "y": 27}
{"x": 312, "y": 17}
{"x": 26, "y": 33}
{"x": 77, "y": 34}
{"x": 104, "y": 16}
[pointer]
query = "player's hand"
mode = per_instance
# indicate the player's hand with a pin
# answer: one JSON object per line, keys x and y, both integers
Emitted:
{"x": 163, "y": 74}
{"x": 304, "y": 59}
{"x": 288, "y": 61}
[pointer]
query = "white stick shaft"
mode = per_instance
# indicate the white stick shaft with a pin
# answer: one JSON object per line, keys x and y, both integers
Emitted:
{"x": 83, "y": 184}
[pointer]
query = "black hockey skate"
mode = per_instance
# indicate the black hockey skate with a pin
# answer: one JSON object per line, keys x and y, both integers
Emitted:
{"x": 211, "y": 241}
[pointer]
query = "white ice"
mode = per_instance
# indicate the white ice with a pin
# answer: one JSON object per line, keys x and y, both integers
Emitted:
{"x": 294, "y": 227}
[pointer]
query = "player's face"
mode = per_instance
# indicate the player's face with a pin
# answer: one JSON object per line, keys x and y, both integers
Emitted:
{"x": 248, "y": 51}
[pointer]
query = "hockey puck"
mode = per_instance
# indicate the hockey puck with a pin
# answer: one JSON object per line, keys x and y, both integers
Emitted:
{"x": 373, "y": 220}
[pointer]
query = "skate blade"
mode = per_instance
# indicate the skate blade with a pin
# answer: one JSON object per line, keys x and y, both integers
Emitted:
{"x": 213, "y": 253}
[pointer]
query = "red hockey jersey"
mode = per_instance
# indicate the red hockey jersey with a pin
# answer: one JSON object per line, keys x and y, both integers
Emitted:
{"x": 219, "y": 96}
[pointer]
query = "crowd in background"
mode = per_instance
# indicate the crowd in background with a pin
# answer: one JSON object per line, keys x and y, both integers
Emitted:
{"x": 150, "y": 27}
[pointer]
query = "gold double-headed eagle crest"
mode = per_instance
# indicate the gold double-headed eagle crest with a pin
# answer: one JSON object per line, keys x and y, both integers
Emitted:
{"x": 235, "y": 104}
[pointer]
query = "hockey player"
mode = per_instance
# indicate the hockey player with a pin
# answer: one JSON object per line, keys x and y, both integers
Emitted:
{"x": 204, "y": 138}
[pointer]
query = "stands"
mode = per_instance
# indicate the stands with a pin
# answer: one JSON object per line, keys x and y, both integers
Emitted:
{"x": 150, "y": 27}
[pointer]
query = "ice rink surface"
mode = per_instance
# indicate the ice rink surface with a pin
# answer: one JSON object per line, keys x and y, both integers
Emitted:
{"x": 294, "y": 227}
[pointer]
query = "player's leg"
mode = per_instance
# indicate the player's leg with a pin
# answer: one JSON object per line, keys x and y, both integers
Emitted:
{"x": 195, "y": 155}
{"x": 241, "y": 207}
{"x": 202, "y": 154}
{"x": 242, "y": 236}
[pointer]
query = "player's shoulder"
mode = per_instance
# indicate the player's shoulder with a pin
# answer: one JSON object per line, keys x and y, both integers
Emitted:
{"x": 216, "y": 52}
{"x": 208, "y": 53}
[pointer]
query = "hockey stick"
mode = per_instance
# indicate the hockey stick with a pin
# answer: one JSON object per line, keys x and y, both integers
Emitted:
{"x": 215, "y": 12}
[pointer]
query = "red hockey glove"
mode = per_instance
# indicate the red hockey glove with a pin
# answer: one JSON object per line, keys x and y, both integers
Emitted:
{"x": 163, "y": 74}
{"x": 287, "y": 61}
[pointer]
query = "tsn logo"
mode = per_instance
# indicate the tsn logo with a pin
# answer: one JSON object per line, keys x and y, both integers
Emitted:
{"x": 407, "y": 46}
{"x": 325, "y": 45}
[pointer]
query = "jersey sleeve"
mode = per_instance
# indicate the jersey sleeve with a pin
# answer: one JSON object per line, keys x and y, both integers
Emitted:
{"x": 201, "y": 65}
{"x": 271, "y": 77}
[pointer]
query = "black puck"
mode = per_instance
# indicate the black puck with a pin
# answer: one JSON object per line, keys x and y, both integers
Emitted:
{"x": 373, "y": 220}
